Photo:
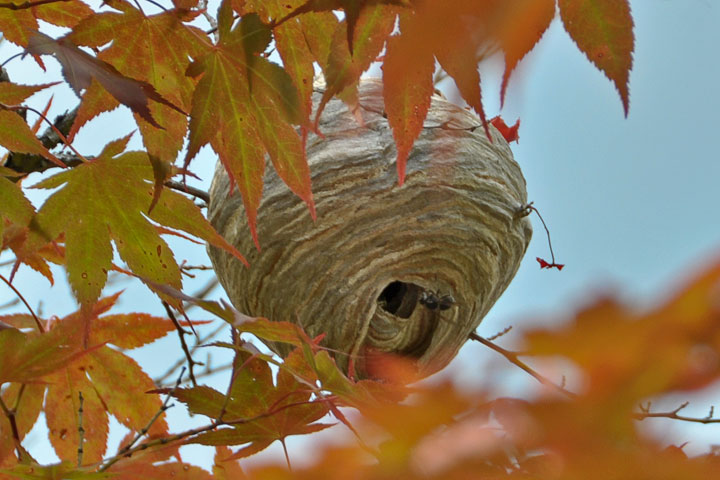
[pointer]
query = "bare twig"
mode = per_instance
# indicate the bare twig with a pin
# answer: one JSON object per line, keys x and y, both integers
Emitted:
{"x": 514, "y": 358}
{"x": 195, "y": 192}
{"x": 524, "y": 212}
{"x": 160, "y": 6}
{"x": 502, "y": 332}
{"x": 158, "y": 381}
{"x": 10, "y": 415}
{"x": 196, "y": 431}
{"x": 10, "y": 303}
{"x": 81, "y": 430}
{"x": 166, "y": 405}
{"x": 181, "y": 334}
{"x": 27, "y": 305}
{"x": 210, "y": 19}
{"x": 674, "y": 415}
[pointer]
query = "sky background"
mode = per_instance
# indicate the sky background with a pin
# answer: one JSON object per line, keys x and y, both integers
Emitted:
{"x": 632, "y": 203}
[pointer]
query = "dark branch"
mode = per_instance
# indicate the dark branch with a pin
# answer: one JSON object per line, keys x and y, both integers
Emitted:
{"x": 195, "y": 192}
{"x": 26, "y": 5}
{"x": 181, "y": 333}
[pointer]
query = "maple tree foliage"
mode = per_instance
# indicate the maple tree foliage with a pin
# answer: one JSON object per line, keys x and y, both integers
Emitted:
{"x": 191, "y": 74}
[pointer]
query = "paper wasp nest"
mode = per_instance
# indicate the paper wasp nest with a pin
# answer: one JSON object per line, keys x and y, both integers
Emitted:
{"x": 410, "y": 270}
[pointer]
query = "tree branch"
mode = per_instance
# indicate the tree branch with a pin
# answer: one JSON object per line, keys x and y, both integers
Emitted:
{"x": 181, "y": 334}
{"x": 514, "y": 358}
{"x": 26, "y": 5}
{"x": 195, "y": 431}
{"x": 645, "y": 413}
{"x": 10, "y": 415}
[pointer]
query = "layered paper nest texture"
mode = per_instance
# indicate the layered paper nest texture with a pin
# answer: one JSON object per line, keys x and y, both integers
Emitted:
{"x": 366, "y": 271}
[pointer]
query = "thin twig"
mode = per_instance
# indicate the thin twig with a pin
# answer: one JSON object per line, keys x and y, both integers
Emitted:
{"x": 10, "y": 415}
{"x": 196, "y": 431}
{"x": 10, "y": 303}
{"x": 157, "y": 415}
{"x": 524, "y": 212}
{"x": 181, "y": 334}
{"x": 157, "y": 5}
{"x": 195, "y": 192}
{"x": 158, "y": 381}
{"x": 673, "y": 415}
{"x": 81, "y": 430}
{"x": 210, "y": 19}
{"x": 27, "y": 305}
{"x": 514, "y": 358}
{"x": 502, "y": 332}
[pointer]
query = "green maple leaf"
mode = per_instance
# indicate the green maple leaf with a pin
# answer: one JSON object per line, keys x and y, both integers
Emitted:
{"x": 109, "y": 199}
{"x": 16, "y": 208}
{"x": 258, "y": 410}
{"x": 243, "y": 107}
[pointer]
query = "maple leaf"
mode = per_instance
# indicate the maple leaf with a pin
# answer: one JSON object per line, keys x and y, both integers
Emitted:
{"x": 352, "y": 9}
{"x": 256, "y": 410}
{"x": 61, "y": 471}
{"x": 29, "y": 401}
{"x": 97, "y": 376}
{"x": 344, "y": 66}
{"x": 407, "y": 90}
{"x": 63, "y": 13}
{"x": 16, "y": 136}
{"x": 652, "y": 352}
{"x": 603, "y": 31}
{"x": 14, "y": 94}
{"x": 174, "y": 470}
{"x": 241, "y": 107}
{"x": 545, "y": 264}
{"x": 160, "y": 58}
{"x": 291, "y": 45}
{"x": 80, "y": 68}
{"x": 17, "y": 26}
{"x": 510, "y": 134}
{"x": 224, "y": 469}
{"x": 111, "y": 383}
{"x": 518, "y": 28}
{"x": 108, "y": 198}
{"x": 16, "y": 207}
{"x": 460, "y": 32}
{"x": 25, "y": 357}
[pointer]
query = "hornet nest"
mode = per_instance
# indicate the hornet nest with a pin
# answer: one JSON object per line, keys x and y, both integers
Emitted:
{"x": 409, "y": 270}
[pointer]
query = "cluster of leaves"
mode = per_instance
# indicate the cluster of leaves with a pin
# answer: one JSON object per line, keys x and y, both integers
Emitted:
{"x": 589, "y": 429}
{"x": 221, "y": 88}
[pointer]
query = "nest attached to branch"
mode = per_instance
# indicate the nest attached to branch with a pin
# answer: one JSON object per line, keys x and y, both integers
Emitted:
{"x": 410, "y": 269}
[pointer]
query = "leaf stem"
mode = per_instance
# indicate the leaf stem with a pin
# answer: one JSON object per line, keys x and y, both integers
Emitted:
{"x": 27, "y": 305}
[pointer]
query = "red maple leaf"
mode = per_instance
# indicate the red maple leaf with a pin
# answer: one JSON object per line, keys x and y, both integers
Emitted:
{"x": 545, "y": 264}
{"x": 509, "y": 133}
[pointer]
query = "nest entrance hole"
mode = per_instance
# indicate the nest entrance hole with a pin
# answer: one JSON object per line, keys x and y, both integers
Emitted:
{"x": 400, "y": 298}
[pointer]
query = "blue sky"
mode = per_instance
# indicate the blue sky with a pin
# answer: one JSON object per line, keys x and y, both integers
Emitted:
{"x": 631, "y": 203}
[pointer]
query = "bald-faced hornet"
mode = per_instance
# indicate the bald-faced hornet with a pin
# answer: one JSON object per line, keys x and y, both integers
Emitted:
{"x": 432, "y": 300}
